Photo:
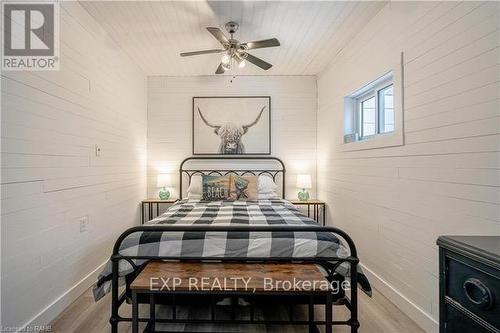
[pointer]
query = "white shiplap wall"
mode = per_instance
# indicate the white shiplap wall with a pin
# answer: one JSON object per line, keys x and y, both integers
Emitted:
{"x": 51, "y": 175}
{"x": 293, "y": 113}
{"x": 395, "y": 202}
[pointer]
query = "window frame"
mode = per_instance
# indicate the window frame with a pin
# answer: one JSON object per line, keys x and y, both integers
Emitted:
{"x": 392, "y": 66}
{"x": 359, "y": 111}
{"x": 366, "y": 93}
{"x": 381, "y": 114}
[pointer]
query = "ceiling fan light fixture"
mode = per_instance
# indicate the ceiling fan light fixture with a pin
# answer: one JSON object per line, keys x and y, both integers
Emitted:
{"x": 233, "y": 51}
{"x": 226, "y": 59}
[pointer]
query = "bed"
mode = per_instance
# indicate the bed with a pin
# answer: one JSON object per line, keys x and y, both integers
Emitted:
{"x": 245, "y": 231}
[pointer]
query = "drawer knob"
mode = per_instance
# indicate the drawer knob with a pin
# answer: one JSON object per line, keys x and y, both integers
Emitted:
{"x": 478, "y": 293}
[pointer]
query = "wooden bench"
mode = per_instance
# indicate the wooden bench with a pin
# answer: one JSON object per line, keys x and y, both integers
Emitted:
{"x": 231, "y": 279}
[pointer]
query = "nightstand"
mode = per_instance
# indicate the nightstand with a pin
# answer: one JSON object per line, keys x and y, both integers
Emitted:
{"x": 148, "y": 206}
{"x": 318, "y": 207}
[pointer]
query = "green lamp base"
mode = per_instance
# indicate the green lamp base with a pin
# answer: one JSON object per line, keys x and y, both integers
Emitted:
{"x": 164, "y": 194}
{"x": 303, "y": 195}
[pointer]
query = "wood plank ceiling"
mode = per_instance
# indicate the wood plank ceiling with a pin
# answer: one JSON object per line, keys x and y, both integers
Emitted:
{"x": 153, "y": 34}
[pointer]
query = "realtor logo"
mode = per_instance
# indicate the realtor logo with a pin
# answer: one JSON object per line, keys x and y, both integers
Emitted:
{"x": 30, "y": 39}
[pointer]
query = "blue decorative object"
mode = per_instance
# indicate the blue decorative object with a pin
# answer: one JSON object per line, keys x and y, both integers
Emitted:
{"x": 164, "y": 194}
{"x": 303, "y": 195}
{"x": 164, "y": 181}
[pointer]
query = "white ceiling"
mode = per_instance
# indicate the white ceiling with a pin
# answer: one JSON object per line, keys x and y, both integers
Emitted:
{"x": 154, "y": 33}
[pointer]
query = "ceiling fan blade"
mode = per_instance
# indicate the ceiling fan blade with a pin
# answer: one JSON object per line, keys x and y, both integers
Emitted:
{"x": 187, "y": 54}
{"x": 220, "y": 70}
{"x": 259, "y": 44}
{"x": 258, "y": 62}
{"x": 219, "y": 35}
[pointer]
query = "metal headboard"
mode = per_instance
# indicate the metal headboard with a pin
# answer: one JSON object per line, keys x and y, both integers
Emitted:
{"x": 279, "y": 170}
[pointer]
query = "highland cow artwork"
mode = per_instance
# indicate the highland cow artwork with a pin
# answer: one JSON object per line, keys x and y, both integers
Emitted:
{"x": 232, "y": 125}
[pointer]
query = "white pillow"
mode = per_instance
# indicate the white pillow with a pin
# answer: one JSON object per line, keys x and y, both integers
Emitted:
{"x": 267, "y": 184}
{"x": 192, "y": 196}
{"x": 196, "y": 186}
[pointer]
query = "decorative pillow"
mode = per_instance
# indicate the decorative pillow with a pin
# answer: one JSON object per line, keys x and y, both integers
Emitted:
{"x": 215, "y": 187}
{"x": 267, "y": 188}
{"x": 243, "y": 188}
{"x": 267, "y": 184}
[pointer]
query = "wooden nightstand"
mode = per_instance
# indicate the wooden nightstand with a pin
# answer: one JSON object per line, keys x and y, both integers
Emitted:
{"x": 317, "y": 206}
{"x": 150, "y": 203}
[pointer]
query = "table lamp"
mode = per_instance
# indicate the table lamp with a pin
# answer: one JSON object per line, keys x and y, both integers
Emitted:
{"x": 304, "y": 183}
{"x": 164, "y": 181}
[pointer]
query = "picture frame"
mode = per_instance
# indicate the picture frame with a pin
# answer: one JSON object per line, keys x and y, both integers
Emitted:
{"x": 231, "y": 125}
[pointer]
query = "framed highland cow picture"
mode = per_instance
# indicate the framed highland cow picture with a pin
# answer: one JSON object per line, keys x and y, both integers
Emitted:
{"x": 232, "y": 125}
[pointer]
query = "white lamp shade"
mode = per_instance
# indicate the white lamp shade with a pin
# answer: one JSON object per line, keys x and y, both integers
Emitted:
{"x": 164, "y": 180}
{"x": 304, "y": 181}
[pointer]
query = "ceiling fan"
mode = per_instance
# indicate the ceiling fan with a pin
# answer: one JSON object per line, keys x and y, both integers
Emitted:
{"x": 235, "y": 52}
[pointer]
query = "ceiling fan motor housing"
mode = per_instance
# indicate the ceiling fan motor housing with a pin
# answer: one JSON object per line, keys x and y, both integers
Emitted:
{"x": 232, "y": 27}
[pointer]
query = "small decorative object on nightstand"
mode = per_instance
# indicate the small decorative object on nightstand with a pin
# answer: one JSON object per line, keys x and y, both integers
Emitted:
{"x": 164, "y": 181}
{"x": 148, "y": 206}
{"x": 304, "y": 183}
{"x": 317, "y": 206}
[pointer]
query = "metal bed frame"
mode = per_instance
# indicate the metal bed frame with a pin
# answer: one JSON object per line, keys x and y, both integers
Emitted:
{"x": 330, "y": 264}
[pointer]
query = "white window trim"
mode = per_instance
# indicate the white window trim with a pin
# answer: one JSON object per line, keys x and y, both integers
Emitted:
{"x": 351, "y": 114}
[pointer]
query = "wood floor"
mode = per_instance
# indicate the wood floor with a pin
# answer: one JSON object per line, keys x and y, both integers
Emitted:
{"x": 376, "y": 314}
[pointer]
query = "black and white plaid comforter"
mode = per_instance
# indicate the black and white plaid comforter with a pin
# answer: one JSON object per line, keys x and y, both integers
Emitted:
{"x": 243, "y": 244}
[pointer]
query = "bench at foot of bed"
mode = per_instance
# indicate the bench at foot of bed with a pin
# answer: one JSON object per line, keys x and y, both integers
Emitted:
{"x": 240, "y": 283}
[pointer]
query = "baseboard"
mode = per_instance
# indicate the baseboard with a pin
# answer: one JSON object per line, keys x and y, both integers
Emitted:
{"x": 62, "y": 302}
{"x": 422, "y": 318}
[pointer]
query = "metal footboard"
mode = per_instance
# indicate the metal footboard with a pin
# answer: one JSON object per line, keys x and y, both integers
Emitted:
{"x": 328, "y": 263}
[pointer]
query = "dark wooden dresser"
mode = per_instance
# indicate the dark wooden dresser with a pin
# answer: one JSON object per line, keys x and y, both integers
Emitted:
{"x": 469, "y": 284}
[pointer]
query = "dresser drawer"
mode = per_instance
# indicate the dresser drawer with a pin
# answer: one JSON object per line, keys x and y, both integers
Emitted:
{"x": 457, "y": 322}
{"x": 475, "y": 287}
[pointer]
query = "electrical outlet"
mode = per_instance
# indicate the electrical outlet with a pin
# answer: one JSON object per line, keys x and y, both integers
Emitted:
{"x": 37, "y": 262}
{"x": 98, "y": 150}
{"x": 84, "y": 223}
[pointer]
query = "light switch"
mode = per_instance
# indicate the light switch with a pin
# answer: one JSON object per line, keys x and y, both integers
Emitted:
{"x": 84, "y": 223}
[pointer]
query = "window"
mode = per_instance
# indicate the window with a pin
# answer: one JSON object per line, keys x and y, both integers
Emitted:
{"x": 368, "y": 116}
{"x": 386, "y": 107}
{"x": 376, "y": 111}
{"x": 370, "y": 110}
